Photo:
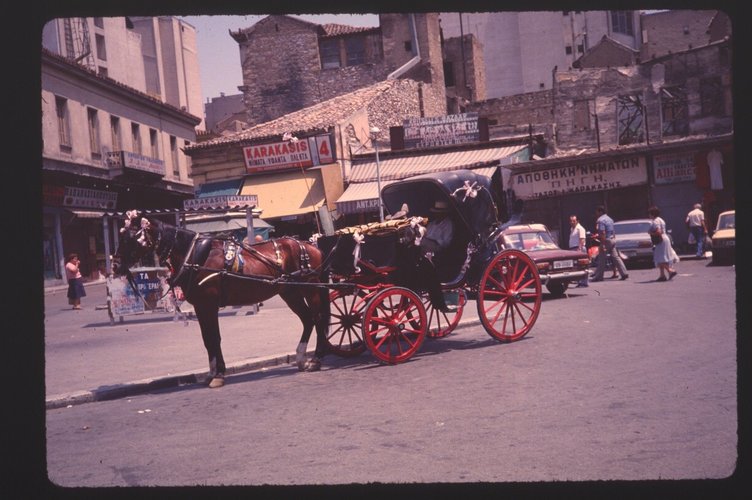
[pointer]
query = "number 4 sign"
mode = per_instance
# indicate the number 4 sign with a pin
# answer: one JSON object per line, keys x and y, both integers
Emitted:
{"x": 324, "y": 148}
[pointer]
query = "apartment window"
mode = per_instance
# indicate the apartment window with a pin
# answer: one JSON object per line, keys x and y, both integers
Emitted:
{"x": 621, "y": 22}
{"x": 174, "y": 154}
{"x": 93, "y": 119}
{"x": 99, "y": 22}
{"x": 154, "y": 143}
{"x": 136, "y": 138}
{"x": 102, "y": 71}
{"x": 329, "y": 52}
{"x": 580, "y": 48}
{"x": 674, "y": 111}
{"x": 63, "y": 127}
{"x": 449, "y": 74}
{"x": 711, "y": 96}
{"x": 101, "y": 49}
{"x": 115, "y": 133}
{"x": 629, "y": 115}
{"x": 568, "y": 50}
{"x": 582, "y": 115}
{"x": 356, "y": 50}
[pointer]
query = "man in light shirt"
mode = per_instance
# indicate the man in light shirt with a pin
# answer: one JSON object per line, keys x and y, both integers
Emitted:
{"x": 577, "y": 242}
{"x": 696, "y": 224}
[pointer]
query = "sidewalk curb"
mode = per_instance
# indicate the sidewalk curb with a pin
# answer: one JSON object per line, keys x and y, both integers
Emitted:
{"x": 117, "y": 391}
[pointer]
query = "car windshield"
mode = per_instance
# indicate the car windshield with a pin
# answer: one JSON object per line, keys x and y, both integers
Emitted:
{"x": 726, "y": 221}
{"x": 631, "y": 227}
{"x": 534, "y": 240}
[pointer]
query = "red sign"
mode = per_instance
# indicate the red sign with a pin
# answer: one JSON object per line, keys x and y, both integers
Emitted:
{"x": 277, "y": 156}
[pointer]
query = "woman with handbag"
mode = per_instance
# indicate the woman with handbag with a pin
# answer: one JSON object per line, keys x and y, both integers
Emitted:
{"x": 664, "y": 255}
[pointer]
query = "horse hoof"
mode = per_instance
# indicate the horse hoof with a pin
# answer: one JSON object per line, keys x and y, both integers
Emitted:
{"x": 313, "y": 365}
{"x": 216, "y": 382}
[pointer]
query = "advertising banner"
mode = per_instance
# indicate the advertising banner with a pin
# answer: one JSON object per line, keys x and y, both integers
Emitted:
{"x": 277, "y": 156}
{"x": 669, "y": 169}
{"x": 599, "y": 175}
{"x": 441, "y": 130}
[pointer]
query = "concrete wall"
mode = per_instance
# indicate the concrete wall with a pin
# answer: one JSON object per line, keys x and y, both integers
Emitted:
{"x": 674, "y": 31}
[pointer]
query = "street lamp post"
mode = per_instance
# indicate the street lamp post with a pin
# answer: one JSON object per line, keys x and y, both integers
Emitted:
{"x": 374, "y": 132}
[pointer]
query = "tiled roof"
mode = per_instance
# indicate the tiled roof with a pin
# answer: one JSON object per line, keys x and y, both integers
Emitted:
{"x": 331, "y": 30}
{"x": 317, "y": 117}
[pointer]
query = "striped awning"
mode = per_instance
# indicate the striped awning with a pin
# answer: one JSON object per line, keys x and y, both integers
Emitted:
{"x": 363, "y": 197}
{"x": 402, "y": 167}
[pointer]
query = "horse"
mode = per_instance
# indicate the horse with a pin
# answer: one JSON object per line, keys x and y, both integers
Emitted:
{"x": 215, "y": 271}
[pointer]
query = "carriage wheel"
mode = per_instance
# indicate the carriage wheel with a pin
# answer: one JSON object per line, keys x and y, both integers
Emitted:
{"x": 509, "y": 296}
{"x": 441, "y": 324}
{"x": 394, "y": 324}
{"x": 345, "y": 336}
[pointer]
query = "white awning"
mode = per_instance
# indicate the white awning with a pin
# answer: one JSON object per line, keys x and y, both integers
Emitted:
{"x": 87, "y": 214}
{"x": 396, "y": 168}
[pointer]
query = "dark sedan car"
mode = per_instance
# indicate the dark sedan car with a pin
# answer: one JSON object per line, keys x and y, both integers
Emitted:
{"x": 557, "y": 267}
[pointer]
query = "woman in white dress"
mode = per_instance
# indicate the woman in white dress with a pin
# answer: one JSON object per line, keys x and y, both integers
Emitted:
{"x": 664, "y": 255}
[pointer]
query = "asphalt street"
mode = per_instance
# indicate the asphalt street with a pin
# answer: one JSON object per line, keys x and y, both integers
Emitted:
{"x": 88, "y": 358}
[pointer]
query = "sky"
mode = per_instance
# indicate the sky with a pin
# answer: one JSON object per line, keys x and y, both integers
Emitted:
{"x": 218, "y": 53}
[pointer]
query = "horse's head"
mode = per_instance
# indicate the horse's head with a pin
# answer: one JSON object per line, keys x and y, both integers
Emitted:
{"x": 137, "y": 237}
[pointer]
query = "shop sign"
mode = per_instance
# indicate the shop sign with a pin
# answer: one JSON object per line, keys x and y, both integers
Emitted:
{"x": 141, "y": 162}
{"x": 668, "y": 169}
{"x": 89, "y": 198}
{"x": 441, "y": 130}
{"x": 324, "y": 149}
{"x": 222, "y": 201}
{"x": 595, "y": 176}
{"x": 277, "y": 156}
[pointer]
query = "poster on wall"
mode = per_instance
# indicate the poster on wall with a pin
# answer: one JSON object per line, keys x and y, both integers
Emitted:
{"x": 600, "y": 175}
{"x": 669, "y": 169}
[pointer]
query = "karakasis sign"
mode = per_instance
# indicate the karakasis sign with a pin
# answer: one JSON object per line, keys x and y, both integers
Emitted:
{"x": 593, "y": 176}
{"x": 284, "y": 155}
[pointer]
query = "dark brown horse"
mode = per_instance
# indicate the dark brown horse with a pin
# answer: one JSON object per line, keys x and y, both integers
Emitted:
{"x": 214, "y": 272}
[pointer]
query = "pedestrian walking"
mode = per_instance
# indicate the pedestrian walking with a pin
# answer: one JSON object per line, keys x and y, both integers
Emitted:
{"x": 697, "y": 228}
{"x": 664, "y": 255}
{"x": 604, "y": 226}
{"x": 75, "y": 283}
{"x": 577, "y": 236}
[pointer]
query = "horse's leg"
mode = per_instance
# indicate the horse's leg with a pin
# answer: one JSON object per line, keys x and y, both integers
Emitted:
{"x": 320, "y": 311}
{"x": 208, "y": 320}
{"x": 296, "y": 303}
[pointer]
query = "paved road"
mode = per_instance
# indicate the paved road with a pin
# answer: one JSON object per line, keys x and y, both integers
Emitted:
{"x": 621, "y": 381}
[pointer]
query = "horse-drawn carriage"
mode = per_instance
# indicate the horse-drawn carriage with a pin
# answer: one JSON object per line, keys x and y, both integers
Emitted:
{"x": 388, "y": 309}
{"x": 359, "y": 288}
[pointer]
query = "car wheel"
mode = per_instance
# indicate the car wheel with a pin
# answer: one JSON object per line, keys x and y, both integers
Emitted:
{"x": 557, "y": 288}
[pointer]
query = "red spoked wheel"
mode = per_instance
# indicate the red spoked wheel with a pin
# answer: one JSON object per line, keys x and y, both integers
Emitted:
{"x": 394, "y": 324}
{"x": 345, "y": 337}
{"x": 441, "y": 324}
{"x": 509, "y": 296}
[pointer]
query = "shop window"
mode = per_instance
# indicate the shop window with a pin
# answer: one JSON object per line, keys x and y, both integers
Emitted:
{"x": 711, "y": 96}
{"x": 94, "y": 146}
{"x": 329, "y": 53}
{"x": 630, "y": 117}
{"x": 621, "y": 22}
{"x": 674, "y": 111}
{"x": 63, "y": 127}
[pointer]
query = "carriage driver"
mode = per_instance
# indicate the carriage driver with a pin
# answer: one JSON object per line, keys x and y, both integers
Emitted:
{"x": 438, "y": 236}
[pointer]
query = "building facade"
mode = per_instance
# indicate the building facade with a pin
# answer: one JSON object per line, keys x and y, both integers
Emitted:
{"x": 106, "y": 145}
{"x": 289, "y": 64}
{"x": 522, "y": 49}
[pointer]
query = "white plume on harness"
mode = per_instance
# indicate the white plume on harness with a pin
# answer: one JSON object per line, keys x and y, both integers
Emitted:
{"x": 471, "y": 190}
{"x": 358, "y": 238}
{"x": 141, "y": 233}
